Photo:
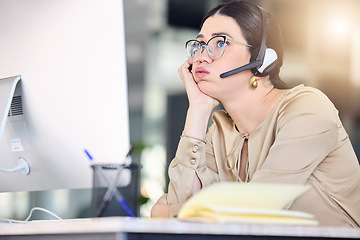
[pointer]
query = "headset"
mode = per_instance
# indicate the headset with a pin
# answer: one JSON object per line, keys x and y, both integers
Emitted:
{"x": 264, "y": 62}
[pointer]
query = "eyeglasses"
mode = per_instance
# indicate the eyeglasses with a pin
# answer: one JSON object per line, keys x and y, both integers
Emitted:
{"x": 215, "y": 47}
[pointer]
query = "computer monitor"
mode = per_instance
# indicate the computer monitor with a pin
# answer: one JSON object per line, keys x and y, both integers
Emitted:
{"x": 67, "y": 58}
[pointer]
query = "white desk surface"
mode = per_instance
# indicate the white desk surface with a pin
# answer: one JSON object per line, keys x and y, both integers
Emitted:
{"x": 170, "y": 226}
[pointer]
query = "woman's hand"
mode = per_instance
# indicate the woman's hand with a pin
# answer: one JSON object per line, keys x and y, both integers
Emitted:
{"x": 200, "y": 104}
{"x": 194, "y": 94}
{"x": 161, "y": 208}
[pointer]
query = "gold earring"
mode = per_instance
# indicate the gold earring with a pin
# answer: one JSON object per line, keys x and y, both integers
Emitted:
{"x": 253, "y": 82}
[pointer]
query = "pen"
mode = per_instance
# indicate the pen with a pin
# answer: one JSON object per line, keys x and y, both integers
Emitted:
{"x": 112, "y": 191}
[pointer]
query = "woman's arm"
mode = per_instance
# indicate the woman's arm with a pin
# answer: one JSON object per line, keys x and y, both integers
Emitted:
{"x": 161, "y": 208}
{"x": 198, "y": 114}
{"x": 190, "y": 156}
{"x": 200, "y": 105}
{"x": 192, "y": 168}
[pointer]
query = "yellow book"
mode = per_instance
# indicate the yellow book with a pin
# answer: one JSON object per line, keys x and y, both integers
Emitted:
{"x": 246, "y": 202}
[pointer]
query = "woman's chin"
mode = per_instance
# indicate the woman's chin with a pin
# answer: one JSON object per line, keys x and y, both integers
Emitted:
{"x": 205, "y": 89}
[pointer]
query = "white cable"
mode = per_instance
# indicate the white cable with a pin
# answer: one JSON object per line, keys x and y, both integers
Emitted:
{"x": 15, "y": 169}
{"x": 22, "y": 166}
{"x": 44, "y": 210}
{"x": 29, "y": 216}
{"x": 11, "y": 220}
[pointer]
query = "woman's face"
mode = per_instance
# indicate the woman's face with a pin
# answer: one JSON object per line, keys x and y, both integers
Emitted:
{"x": 206, "y": 71}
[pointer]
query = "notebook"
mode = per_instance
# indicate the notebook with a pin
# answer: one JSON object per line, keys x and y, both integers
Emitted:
{"x": 263, "y": 203}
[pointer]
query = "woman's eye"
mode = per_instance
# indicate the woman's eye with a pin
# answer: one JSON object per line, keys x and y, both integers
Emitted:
{"x": 221, "y": 44}
{"x": 196, "y": 45}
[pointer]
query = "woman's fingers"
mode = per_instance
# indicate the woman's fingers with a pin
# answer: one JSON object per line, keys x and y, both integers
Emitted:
{"x": 185, "y": 71}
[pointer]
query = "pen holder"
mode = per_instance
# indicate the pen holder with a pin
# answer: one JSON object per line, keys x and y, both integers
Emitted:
{"x": 115, "y": 190}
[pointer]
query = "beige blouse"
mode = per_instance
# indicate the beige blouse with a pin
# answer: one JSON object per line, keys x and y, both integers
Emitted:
{"x": 301, "y": 141}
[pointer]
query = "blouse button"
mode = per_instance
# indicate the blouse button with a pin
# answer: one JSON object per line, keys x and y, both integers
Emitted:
{"x": 193, "y": 161}
{"x": 195, "y": 149}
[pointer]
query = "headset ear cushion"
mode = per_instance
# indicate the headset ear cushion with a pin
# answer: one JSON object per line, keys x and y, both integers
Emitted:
{"x": 269, "y": 62}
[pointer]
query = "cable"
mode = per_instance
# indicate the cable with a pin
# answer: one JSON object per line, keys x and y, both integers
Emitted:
{"x": 23, "y": 166}
{"x": 15, "y": 169}
{"x": 44, "y": 210}
{"x": 29, "y": 216}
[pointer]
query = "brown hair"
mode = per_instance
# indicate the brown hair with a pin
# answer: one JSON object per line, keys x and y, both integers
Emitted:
{"x": 249, "y": 18}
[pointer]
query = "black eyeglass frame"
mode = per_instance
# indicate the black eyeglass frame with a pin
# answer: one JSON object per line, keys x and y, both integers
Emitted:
{"x": 226, "y": 38}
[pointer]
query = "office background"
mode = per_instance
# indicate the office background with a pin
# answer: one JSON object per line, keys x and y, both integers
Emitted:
{"x": 321, "y": 50}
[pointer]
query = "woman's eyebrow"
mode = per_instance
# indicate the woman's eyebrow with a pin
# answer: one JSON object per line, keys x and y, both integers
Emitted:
{"x": 222, "y": 34}
{"x": 200, "y": 36}
{"x": 216, "y": 34}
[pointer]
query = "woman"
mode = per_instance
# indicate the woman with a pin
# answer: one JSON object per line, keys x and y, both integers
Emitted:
{"x": 268, "y": 133}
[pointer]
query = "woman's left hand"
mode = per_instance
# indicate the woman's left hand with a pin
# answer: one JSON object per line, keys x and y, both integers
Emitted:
{"x": 161, "y": 208}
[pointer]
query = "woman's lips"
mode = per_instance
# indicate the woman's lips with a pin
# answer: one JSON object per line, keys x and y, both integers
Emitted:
{"x": 201, "y": 72}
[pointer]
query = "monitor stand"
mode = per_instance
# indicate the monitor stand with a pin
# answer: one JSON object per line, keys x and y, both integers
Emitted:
{"x": 11, "y": 106}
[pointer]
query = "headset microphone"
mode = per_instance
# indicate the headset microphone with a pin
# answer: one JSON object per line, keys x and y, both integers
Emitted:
{"x": 248, "y": 66}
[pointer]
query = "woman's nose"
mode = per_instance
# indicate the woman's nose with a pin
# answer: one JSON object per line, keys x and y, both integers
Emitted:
{"x": 204, "y": 55}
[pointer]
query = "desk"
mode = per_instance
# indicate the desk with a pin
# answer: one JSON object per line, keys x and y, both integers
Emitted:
{"x": 124, "y": 228}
